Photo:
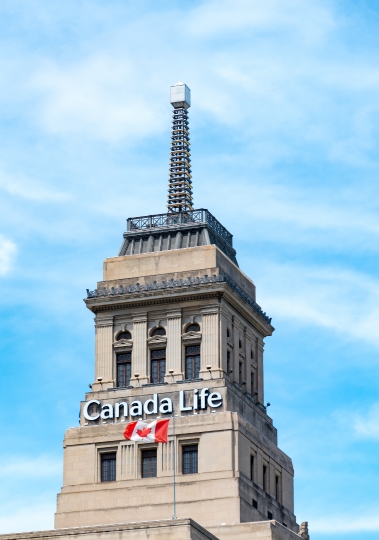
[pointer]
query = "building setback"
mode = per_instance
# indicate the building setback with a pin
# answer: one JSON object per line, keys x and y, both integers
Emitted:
{"x": 178, "y": 336}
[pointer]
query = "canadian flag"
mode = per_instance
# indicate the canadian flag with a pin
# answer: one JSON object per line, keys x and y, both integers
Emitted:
{"x": 156, "y": 431}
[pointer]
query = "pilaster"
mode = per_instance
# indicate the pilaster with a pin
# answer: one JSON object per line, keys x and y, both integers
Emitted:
{"x": 210, "y": 342}
{"x": 139, "y": 356}
{"x": 174, "y": 345}
{"x": 103, "y": 353}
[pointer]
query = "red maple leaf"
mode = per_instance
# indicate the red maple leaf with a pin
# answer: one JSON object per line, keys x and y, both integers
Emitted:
{"x": 144, "y": 432}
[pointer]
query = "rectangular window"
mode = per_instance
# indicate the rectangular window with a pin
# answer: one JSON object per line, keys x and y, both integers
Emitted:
{"x": 240, "y": 376}
{"x": 252, "y": 383}
{"x": 189, "y": 460}
{"x": 228, "y": 362}
{"x": 252, "y": 468}
{"x": 158, "y": 365}
{"x": 255, "y": 503}
{"x": 108, "y": 467}
{"x": 192, "y": 362}
{"x": 269, "y": 515}
{"x": 124, "y": 369}
{"x": 265, "y": 477}
{"x": 149, "y": 463}
{"x": 277, "y": 494}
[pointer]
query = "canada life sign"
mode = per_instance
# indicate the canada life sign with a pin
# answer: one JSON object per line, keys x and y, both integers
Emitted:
{"x": 94, "y": 409}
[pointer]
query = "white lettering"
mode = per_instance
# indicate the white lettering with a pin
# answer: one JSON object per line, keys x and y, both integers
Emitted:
{"x": 214, "y": 400}
{"x": 136, "y": 408}
{"x": 117, "y": 408}
{"x": 165, "y": 406}
{"x": 182, "y": 402}
{"x": 87, "y": 406}
{"x": 203, "y": 395}
{"x": 153, "y": 401}
{"x": 195, "y": 399}
{"x": 106, "y": 411}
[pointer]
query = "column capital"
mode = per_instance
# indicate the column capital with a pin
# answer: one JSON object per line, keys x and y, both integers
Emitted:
{"x": 210, "y": 310}
{"x": 103, "y": 321}
{"x": 140, "y": 317}
{"x": 174, "y": 313}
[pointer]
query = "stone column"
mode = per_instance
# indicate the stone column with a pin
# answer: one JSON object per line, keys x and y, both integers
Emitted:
{"x": 210, "y": 342}
{"x": 260, "y": 380}
{"x": 103, "y": 353}
{"x": 174, "y": 345}
{"x": 139, "y": 354}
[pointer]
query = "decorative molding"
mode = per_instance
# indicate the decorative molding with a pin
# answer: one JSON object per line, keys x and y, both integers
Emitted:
{"x": 157, "y": 340}
{"x": 229, "y": 342}
{"x": 122, "y": 343}
{"x": 189, "y": 337}
{"x": 179, "y": 284}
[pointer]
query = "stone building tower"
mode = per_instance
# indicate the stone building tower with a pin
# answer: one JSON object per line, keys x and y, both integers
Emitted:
{"x": 178, "y": 335}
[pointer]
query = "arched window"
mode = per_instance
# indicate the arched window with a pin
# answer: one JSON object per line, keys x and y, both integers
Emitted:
{"x": 159, "y": 332}
{"x": 124, "y": 335}
{"x": 193, "y": 328}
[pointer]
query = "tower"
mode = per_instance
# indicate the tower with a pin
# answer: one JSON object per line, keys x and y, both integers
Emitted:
{"x": 178, "y": 334}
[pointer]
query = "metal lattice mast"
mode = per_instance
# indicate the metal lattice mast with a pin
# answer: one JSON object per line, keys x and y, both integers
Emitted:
{"x": 180, "y": 183}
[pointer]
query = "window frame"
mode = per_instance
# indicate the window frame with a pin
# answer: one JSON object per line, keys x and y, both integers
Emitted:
{"x": 184, "y": 451}
{"x": 146, "y": 450}
{"x": 125, "y": 363}
{"x": 193, "y": 367}
{"x": 160, "y": 361}
{"x": 105, "y": 452}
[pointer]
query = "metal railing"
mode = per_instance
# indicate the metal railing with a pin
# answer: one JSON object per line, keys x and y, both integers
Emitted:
{"x": 173, "y": 219}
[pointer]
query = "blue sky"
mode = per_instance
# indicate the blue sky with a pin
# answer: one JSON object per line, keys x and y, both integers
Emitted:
{"x": 285, "y": 138}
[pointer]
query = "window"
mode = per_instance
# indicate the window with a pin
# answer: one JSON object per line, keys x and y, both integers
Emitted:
{"x": 124, "y": 335}
{"x": 240, "y": 376}
{"x": 193, "y": 328}
{"x": 190, "y": 459}
{"x": 192, "y": 362}
{"x": 108, "y": 467}
{"x": 227, "y": 332}
{"x": 255, "y": 503}
{"x": 265, "y": 477}
{"x": 269, "y": 515}
{"x": 277, "y": 495}
{"x": 159, "y": 332}
{"x": 240, "y": 344}
{"x": 124, "y": 369}
{"x": 149, "y": 463}
{"x": 252, "y": 468}
{"x": 158, "y": 365}
{"x": 228, "y": 362}
{"x": 252, "y": 383}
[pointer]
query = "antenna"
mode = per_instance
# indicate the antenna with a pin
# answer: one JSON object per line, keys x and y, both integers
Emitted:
{"x": 180, "y": 184}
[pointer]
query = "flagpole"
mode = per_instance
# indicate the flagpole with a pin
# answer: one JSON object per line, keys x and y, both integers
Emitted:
{"x": 173, "y": 428}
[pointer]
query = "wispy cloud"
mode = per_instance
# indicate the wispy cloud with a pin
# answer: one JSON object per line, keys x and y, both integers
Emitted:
{"x": 8, "y": 252}
{"x": 23, "y": 467}
{"x": 341, "y": 300}
{"x": 30, "y": 188}
{"x": 366, "y": 426}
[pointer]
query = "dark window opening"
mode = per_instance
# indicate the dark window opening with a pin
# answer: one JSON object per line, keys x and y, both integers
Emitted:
{"x": 228, "y": 362}
{"x": 269, "y": 515}
{"x": 108, "y": 467}
{"x": 190, "y": 457}
{"x": 227, "y": 332}
{"x": 240, "y": 369}
{"x": 251, "y": 355}
{"x": 277, "y": 488}
{"x": 252, "y": 468}
{"x": 285, "y": 524}
{"x": 159, "y": 332}
{"x": 193, "y": 328}
{"x": 265, "y": 477}
{"x": 158, "y": 365}
{"x": 192, "y": 362}
{"x": 255, "y": 503}
{"x": 149, "y": 463}
{"x": 124, "y": 335}
{"x": 124, "y": 369}
{"x": 240, "y": 344}
{"x": 252, "y": 383}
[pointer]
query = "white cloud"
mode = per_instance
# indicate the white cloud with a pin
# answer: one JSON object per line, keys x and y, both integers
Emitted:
{"x": 22, "y": 467}
{"x": 344, "y": 301}
{"x": 8, "y": 251}
{"x": 28, "y": 518}
{"x": 366, "y": 426}
{"x": 28, "y": 188}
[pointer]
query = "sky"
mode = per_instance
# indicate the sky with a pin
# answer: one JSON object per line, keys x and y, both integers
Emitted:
{"x": 284, "y": 130}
